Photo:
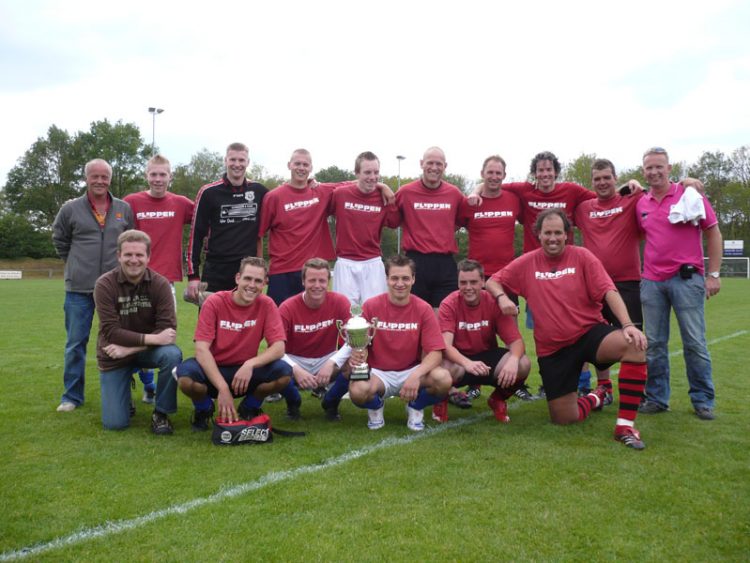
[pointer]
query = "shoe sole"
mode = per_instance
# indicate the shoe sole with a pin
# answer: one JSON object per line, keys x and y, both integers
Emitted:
{"x": 375, "y": 426}
{"x": 635, "y": 445}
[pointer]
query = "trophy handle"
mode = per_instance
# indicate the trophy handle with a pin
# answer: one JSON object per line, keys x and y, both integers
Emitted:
{"x": 372, "y": 329}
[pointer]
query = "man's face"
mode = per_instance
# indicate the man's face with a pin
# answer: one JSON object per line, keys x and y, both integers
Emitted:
{"x": 368, "y": 176}
{"x": 400, "y": 280}
{"x": 98, "y": 179}
{"x": 493, "y": 176}
{"x": 604, "y": 182}
{"x": 656, "y": 170}
{"x": 133, "y": 258}
{"x": 316, "y": 286}
{"x": 158, "y": 177}
{"x": 250, "y": 283}
{"x": 553, "y": 236}
{"x": 433, "y": 167}
{"x": 470, "y": 285}
{"x": 300, "y": 166}
{"x": 545, "y": 175}
{"x": 236, "y": 163}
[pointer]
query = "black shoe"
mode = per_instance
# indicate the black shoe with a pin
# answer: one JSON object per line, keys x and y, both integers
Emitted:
{"x": 292, "y": 412}
{"x": 523, "y": 393}
{"x": 274, "y": 398}
{"x": 541, "y": 394}
{"x": 332, "y": 412}
{"x": 132, "y": 408}
{"x": 474, "y": 392}
{"x": 200, "y": 419}
{"x": 318, "y": 392}
{"x": 248, "y": 413}
{"x": 705, "y": 413}
{"x": 650, "y": 407}
{"x": 160, "y": 424}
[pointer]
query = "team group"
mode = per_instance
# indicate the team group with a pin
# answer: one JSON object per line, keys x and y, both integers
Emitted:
{"x": 437, "y": 323}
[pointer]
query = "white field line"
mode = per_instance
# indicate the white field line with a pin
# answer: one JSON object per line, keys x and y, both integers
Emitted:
{"x": 116, "y": 527}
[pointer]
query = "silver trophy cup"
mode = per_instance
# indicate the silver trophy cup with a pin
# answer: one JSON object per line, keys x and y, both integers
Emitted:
{"x": 358, "y": 334}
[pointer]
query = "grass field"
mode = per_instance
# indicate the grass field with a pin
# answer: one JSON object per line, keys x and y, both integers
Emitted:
{"x": 471, "y": 490}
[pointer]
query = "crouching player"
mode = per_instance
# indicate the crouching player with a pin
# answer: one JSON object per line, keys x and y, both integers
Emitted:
{"x": 470, "y": 321}
{"x": 312, "y": 336}
{"x": 406, "y": 353}
{"x": 565, "y": 287}
{"x": 231, "y": 325}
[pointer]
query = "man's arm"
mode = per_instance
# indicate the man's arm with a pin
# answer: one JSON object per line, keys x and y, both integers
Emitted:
{"x": 225, "y": 399}
{"x": 198, "y": 232}
{"x": 430, "y": 361}
{"x": 620, "y": 311}
{"x": 509, "y": 370}
{"x": 714, "y": 249}
{"x": 501, "y": 298}
{"x": 243, "y": 376}
{"x": 61, "y": 233}
{"x": 452, "y": 354}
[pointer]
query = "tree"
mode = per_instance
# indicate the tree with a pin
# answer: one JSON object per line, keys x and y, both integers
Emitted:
{"x": 19, "y": 238}
{"x": 714, "y": 169}
{"x": 334, "y": 174}
{"x": 44, "y": 178}
{"x": 204, "y": 167}
{"x": 579, "y": 170}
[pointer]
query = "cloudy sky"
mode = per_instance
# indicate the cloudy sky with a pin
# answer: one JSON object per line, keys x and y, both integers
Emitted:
{"x": 394, "y": 77}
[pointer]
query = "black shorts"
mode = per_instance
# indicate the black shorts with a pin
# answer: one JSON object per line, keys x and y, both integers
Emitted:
{"x": 283, "y": 286}
{"x": 560, "y": 371}
{"x": 220, "y": 276}
{"x": 489, "y": 357}
{"x": 630, "y": 291}
{"x": 264, "y": 374}
{"x": 436, "y": 276}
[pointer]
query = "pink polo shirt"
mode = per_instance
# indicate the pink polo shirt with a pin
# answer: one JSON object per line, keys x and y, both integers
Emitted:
{"x": 669, "y": 246}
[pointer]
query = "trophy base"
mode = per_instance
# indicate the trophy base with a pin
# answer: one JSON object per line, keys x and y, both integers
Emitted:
{"x": 360, "y": 373}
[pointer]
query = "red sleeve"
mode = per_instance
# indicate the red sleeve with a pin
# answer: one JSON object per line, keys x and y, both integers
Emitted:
{"x": 273, "y": 330}
{"x": 431, "y": 338}
{"x": 205, "y": 330}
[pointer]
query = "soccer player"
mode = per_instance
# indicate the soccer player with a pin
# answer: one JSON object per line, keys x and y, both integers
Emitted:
{"x": 161, "y": 215}
{"x": 673, "y": 278}
{"x": 84, "y": 235}
{"x": 565, "y": 286}
{"x": 231, "y": 325}
{"x": 429, "y": 210}
{"x": 226, "y": 221}
{"x": 360, "y": 217}
{"x": 312, "y": 337}
{"x": 137, "y": 329}
{"x": 406, "y": 352}
{"x": 470, "y": 321}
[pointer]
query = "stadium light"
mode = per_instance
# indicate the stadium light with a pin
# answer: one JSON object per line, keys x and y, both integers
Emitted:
{"x": 398, "y": 231}
{"x": 154, "y": 112}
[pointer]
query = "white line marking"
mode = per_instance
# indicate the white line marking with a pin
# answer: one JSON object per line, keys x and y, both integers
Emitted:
{"x": 110, "y": 528}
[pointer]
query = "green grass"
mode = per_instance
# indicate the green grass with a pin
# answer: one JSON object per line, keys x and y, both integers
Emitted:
{"x": 476, "y": 491}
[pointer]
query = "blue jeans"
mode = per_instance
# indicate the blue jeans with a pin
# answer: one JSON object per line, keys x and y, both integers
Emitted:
{"x": 115, "y": 385}
{"x": 687, "y": 298}
{"x": 79, "y": 312}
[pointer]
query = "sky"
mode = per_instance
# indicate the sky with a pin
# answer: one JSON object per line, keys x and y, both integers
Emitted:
{"x": 395, "y": 77}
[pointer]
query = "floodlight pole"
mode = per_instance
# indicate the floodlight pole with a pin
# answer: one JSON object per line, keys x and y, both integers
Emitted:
{"x": 154, "y": 112}
{"x": 398, "y": 231}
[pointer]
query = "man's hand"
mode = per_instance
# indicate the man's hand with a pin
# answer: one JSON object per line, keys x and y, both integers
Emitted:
{"x": 115, "y": 351}
{"x": 713, "y": 286}
{"x": 386, "y": 193}
{"x": 635, "y": 337}
{"x": 476, "y": 368}
{"x": 410, "y": 388}
{"x": 166, "y": 336}
{"x": 694, "y": 183}
{"x": 242, "y": 379}
{"x": 192, "y": 290}
{"x": 304, "y": 379}
{"x": 226, "y": 405}
{"x": 357, "y": 358}
{"x": 325, "y": 374}
{"x": 507, "y": 306}
{"x": 508, "y": 372}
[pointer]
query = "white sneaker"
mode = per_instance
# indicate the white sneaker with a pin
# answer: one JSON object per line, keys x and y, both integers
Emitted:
{"x": 149, "y": 396}
{"x": 375, "y": 419}
{"x": 66, "y": 406}
{"x": 415, "y": 421}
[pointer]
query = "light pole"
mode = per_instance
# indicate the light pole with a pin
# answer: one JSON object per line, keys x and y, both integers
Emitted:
{"x": 153, "y": 112}
{"x": 398, "y": 231}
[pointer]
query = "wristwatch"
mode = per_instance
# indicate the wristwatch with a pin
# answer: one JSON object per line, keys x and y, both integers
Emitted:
{"x": 714, "y": 275}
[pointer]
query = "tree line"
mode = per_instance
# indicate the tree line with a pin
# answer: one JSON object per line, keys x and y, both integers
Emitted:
{"x": 50, "y": 172}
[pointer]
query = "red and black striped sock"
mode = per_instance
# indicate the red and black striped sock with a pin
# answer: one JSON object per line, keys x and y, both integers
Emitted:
{"x": 607, "y": 384}
{"x": 585, "y": 404}
{"x": 632, "y": 381}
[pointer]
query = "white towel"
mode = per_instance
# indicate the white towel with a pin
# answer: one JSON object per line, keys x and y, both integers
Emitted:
{"x": 689, "y": 208}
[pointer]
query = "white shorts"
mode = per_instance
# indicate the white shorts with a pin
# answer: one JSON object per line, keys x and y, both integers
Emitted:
{"x": 392, "y": 380}
{"x": 359, "y": 280}
{"x": 311, "y": 365}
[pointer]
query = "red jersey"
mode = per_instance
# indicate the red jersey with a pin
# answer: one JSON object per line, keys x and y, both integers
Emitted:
{"x": 360, "y": 219}
{"x": 234, "y": 331}
{"x": 162, "y": 218}
{"x": 404, "y": 334}
{"x": 297, "y": 223}
{"x": 492, "y": 228}
{"x": 429, "y": 217}
{"x": 565, "y": 293}
{"x": 566, "y": 196}
{"x": 312, "y": 333}
{"x": 610, "y": 231}
{"x": 475, "y": 329}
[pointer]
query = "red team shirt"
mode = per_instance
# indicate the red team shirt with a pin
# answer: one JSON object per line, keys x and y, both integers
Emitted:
{"x": 404, "y": 334}
{"x": 475, "y": 329}
{"x": 298, "y": 221}
{"x": 235, "y": 332}
{"x": 162, "y": 218}
{"x": 360, "y": 219}
{"x": 429, "y": 217}
{"x": 565, "y": 293}
{"x": 312, "y": 333}
{"x": 566, "y": 196}
{"x": 492, "y": 227}
{"x": 610, "y": 231}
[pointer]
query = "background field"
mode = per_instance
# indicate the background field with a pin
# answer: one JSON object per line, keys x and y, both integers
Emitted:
{"x": 470, "y": 490}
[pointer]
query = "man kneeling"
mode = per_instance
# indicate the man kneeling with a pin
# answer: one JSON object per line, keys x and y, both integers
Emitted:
{"x": 230, "y": 328}
{"x": 470, "y": 321}
{"x": 406, "y": 351}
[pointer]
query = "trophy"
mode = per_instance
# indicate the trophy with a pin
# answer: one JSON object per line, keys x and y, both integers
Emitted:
{"x": 358, "y": 334}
